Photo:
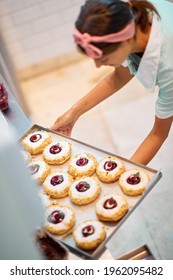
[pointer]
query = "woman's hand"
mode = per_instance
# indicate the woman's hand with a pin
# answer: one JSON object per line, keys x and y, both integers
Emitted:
{"x": 65, "y": 123}
{"x": 113, "y": 82}
{"x": 152, "y": 143}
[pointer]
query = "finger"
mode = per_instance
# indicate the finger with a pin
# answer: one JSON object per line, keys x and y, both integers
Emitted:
{"x": 54, "y": 127}
{"x": 65, "y": 132}
{"x": 60, "y": 131}
{"x": 68, "y": 134}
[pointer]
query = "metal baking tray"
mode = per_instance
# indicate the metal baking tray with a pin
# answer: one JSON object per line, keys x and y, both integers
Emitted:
{"x": 87, "y": 212}
{"x": 140, "y": 253}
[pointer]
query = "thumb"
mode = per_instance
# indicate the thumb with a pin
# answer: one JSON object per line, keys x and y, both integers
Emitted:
{"x": 56, "y": 125}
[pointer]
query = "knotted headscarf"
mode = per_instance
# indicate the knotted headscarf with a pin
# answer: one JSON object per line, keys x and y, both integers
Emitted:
{"x": 85, "y": 40}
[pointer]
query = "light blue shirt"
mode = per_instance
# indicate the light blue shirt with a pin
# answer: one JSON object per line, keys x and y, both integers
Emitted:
{"x": 156, "y": 65}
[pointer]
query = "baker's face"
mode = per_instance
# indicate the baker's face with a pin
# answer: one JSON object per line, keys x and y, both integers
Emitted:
{"x": 115, "y": 58}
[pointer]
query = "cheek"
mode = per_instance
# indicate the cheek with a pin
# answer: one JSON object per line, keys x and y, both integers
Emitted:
{"x": 120, "y": 57}
{"x": 117, "y": 57}
{"x": 122, "y": 53}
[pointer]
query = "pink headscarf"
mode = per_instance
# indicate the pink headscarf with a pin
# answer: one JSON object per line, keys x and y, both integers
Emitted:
{"x": 85, "y": 40}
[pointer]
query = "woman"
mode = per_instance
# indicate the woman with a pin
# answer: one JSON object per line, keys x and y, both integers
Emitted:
{"x": 136, "y": 38}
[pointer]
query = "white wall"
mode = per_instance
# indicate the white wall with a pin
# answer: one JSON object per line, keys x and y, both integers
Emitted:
{"x": 37, "y": 30}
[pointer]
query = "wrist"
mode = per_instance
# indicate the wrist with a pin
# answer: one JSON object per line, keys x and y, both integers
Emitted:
{"x": 77, "y": 110}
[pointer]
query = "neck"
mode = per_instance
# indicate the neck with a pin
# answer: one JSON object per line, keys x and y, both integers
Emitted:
{"x": 140, "y": 42}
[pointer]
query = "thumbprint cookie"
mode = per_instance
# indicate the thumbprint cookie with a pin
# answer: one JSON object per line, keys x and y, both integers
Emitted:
{"x": 57, "y": 184}
{"x": 59, "y": 219}
{"x": 39, "y": 170}
{"x": 82, "y": 165}
{"x": 133, "y": 182}
{"x": 109, "y": 169}
{"x": 26, "y": 156}
{"x": 89, "y": 235}
{"x": 84, "y": 190}
{"x": 35, "y": 142}
{"x": 57, "y": 152}
{"x": 111, "y": 208}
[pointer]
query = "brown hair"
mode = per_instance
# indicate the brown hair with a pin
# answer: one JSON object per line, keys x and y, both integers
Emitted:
{"x": 101, "y": 17}
{"x": 141, "y": 10}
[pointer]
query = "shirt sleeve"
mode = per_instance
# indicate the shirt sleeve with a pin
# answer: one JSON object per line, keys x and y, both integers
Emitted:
{"x": 164, "y": 103}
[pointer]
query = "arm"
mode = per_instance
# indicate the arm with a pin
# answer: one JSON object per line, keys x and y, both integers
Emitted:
{"x": 153, "y": 141}
{"x": 108, "y": 86}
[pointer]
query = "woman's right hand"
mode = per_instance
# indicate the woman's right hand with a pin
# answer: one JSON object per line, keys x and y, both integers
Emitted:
{"x": 65, "y": 123}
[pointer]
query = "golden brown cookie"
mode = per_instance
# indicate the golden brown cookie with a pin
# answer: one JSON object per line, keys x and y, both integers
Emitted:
{"x": 82, "y": 165}
{"x": 133, "y": 182}
{"x": 111, "y": 208}
{"x": 84, "y": 190}
{"x": 57, "y": 184}
{"x": 36, "y": 141}
{"x": 26, "y": 156}
{"x": 39, "y": 170}
{"x": 59, "y": 219}
{"x": 57, "y": 152}
{"x": 109, "y": 169}
{"x": 89, "y": 235}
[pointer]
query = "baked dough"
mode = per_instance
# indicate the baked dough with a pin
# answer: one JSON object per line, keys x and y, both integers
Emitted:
{"x": 82, "y": 165}
{"x": 39, "y": 170}
{"x": 59, "y": 219}
{"x": 133, "y": 182}
{"x": 57, "y": 184}
{"x": 84, "y": 190}
{"x": 109, "y": 169}
{"x": 111, "y": 208}
{"x": 57, "y": 152}
{"x": 26, "y": 156}
{"x": 36, "y": 141}
{"x": 89, "y": 235}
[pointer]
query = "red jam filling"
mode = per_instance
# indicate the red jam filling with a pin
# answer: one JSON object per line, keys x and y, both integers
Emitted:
{"x": 56, "y": 180}
{"x": 134, "y": 179}
{"x": 82, "y": 161}
{"x": 3, "y": 97}
{"x": 33, "y": 168}
{"x": 56, "y": 217}
{"x": 110, "y": 203}
{"x": 55, "y": 149}
{"x": 110, "y": 165}
{"x": 36, "y": 137}
{"x": 82, "y": 186}
{"x": 88, "y": 230}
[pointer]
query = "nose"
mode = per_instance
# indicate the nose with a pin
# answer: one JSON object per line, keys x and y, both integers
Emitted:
{"x": 97, "y": 63}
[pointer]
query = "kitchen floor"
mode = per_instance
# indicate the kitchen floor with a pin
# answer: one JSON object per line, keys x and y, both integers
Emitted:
{"x": 117, "y": 125}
